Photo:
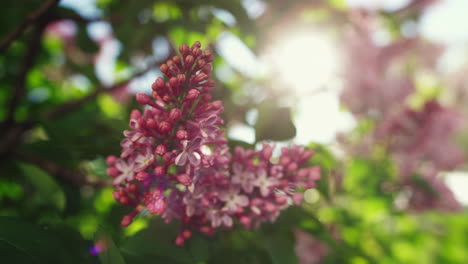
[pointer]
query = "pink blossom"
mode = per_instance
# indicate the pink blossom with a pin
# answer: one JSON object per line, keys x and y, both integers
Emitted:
{"x": 233, "y": 199}
{"x": 127, "y": 171}
{"x": 143, "y": 160}
{"x": 264, "y": 183}
{"x": 189, "y": 153}
{"x": 180, "y": 126}
{"x": 243, "y": 177}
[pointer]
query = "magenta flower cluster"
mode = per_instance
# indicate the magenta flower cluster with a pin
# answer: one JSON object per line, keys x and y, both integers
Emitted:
{"x": 175, "y": 161}
{"x": 420, "y": 141}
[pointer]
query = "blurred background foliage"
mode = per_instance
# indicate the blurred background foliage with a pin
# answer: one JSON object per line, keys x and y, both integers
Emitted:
{"x": 68, "y": 70}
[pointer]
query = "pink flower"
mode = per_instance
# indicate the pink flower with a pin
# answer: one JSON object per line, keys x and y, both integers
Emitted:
{"x": 189, "y": 153}
{"x": 219, "y": 218}
{"x": 233, "y": 199}
{"x": 309, "y": 250}
{"x": 264, "y": 183}
{"x": 179, "y": 126}
{"x": 243, "y": 177}
{"x": 127, "y": 171}
{"x": 207, "y": 127}
{"x": 143, "y": 160}
{"x": 155, "y": 202}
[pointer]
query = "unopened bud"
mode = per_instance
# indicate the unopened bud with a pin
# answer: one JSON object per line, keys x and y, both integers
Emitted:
{"x": 113, "y": 172}
{"x": 142, "y": 176}
{"x": 175, "y": 114}
{"x": 143, "y": 98}
{"x": 135, "y": 114}
{"x": 193, "y": 94}
{"x": 126, "y": 220}
{"x": 164, "y": 127}
{"x": 158, "y": 84}
{"x": 164, "y": 68}
{"x": 179, "y": 241}
{"x": 196, "y": 44}
{"x": 110, "y": 160}
{"x": 161, "y": 150}
{"x": 184, "y": 48}
{"x": 151, "y": 123}
{"x": 159, "y": 171}
{"x": 189, "y": 61}
{"x": 182, "y": 134}
{"x": 184, "y": 179}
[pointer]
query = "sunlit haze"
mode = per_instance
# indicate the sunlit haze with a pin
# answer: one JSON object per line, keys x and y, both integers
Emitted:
{"x": 307, "y": 62}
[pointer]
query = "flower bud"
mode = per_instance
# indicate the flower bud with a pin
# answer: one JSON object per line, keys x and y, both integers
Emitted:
{"x": 116, "y": 195}
{"x": 175, "y": 114}
{"x": 207, "y": 68}
{"x": 176, "y": 60}
{"x": 160, "y": 149}
{"x": 200, "y": 78}
{"x": 159, "y": 84}
{"x": 184, "y": 179}
{"x": 292, "y": 167}
{"x": 284, "y": 161}
{"x": 196, "y": 51}
{"x": 159, "y": 171}
{"x": 306, "y": 155}
{"x": 189, "y": 62}
{"x": 142, "y": 176}
{"x": 193, "y": 94}
{"x": 174, "y": 82}
{"x": 182, "y": 134}
{"x": 196, "y": 44}
{"x": 143, "y": 99}
{"x": 127, "y": 220}
{"x": 110, "y": 160}
{"x": 157, "y": 207}
{"x": 201, "y": 63}
{"x": 184, "y": 49}
{"x": 113, "y": 172}
{"x": 179, "y": 241}
{"x": 164, "y": 127}
{"x": 207, "y": 97}
{"x": 245, "y": 221}
{"x": 151, "y": 123}
{"x": 135, "y": 114}
{"x": 186, "y": 233}
{"x": 207, "y": 230}
{"x": 164, "y": 68}
{"x": 168, "y": 157}
{"x": 124, "y": 199}
{"x": 133, "y": 188}
{"x": 181, "y": 78}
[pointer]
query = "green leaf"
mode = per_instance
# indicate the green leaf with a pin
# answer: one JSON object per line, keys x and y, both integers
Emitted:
{"x": 22, "y": 242}
{"x": 48, "y": 192}
{"x": 109, "y": 252}
{"x": 157, "y": 240}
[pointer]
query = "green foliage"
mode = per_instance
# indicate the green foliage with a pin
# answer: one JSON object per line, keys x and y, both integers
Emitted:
{"x": 23, "y": 242}
{"x": 46, "y": 216}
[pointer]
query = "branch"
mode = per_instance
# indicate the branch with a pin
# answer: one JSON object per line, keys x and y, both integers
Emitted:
{"x": 30, "y": 19}
{"x": 72, "y": 105}
{"x": 20, "y": 83}
{"x": 59, "y": 171}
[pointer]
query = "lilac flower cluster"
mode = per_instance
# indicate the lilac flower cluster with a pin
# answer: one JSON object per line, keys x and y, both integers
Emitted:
{"x": 419, "y": 141}
{"x": 175, "y": 161}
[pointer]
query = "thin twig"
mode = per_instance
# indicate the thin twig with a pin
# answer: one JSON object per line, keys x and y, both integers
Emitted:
{"x": 20, "y": 82}
{"x": 30, "y": 19}
{"x": 73, "y": 176}
{"x": 75, "y": 104}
